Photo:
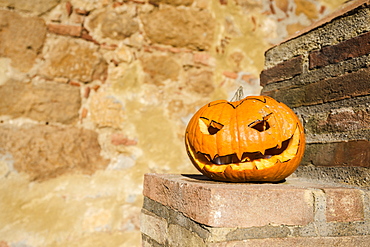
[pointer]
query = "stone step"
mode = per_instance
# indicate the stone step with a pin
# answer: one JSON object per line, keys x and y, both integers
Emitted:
{"x": 209, "y": 213}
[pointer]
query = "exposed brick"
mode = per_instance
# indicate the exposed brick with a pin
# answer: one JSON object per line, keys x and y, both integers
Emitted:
{"x": 81, "y": 11}
{"x": 231, "y": 205}
{"x": 329, "y": 31}
{"x": 347, "y": 153}
{"x": 71, "y": 30}
{"x": 230, "y": 74}
{"x": 332, "y": 89}
{"x": 69, "y": 8}
{"x": 153, "y": 226}
{"x": 347, "y": 119}
{"x": 203, "y": 58}
{"x": 120, "y": 139}
{"x": 282, "y": 71}
{"x": 351, "y": 48}
{"x": 344, "y": 204}
{"x": 337, "y": 120}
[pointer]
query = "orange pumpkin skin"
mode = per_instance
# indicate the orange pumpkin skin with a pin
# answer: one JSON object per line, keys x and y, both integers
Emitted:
{"x": 253, "y": 139}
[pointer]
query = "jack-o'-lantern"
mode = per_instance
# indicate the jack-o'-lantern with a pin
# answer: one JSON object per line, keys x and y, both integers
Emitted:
{"x": 253, "y": 139}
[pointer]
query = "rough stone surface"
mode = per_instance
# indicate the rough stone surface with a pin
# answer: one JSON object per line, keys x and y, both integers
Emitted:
{"x": 200, "y": 82}
{"x": 35, "y": 7}
{"x": 160, "y": 68}
{"x": 357, "y": 176}
{"x": 51, "y": 150}
{"x": 43, "y": 101}
{"x": 106, "y": 111}
{"x": 72, "y": 59}
{"x": 21, "y": 38}
{"x": 113, "y": 25}
{"x": 180, "y": 28}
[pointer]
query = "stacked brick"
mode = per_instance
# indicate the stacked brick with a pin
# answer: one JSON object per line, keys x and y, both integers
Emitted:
{"x": 190, "y": 210}
{"x": 324, "y": 75}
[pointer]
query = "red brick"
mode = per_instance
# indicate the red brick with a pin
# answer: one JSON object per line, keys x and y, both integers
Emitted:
{"x": 81, "y": 11}
{"x": 351, "y": 48}
{"x": 87, "y": 92}
{"x": 344, "y": 204}
{"x": 231, "y": 205}
{"x": 347, "y": 153}
{"x": 69, "y": 8}
{"x": 347, "y": 120}
{"x": 85, "y": 35}
{"x": 120, "y": 139}
{"x": 84, "y": 113}
{"x": 285, "y": 70}
{"x": 332, "y": 89}
{"x": 230, "y": 74}
{"x": 338, "y": 120}
{"x": 203, "y": 58}
{"x": 71, "y": 30}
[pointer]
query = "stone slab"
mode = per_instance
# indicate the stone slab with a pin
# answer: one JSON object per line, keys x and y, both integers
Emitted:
{"x": 219, "y": 204}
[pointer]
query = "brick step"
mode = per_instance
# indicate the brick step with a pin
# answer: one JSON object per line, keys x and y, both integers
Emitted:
{"x": 213, "y": 213}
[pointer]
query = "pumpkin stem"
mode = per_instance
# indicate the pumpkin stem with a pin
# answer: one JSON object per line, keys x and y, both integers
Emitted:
{"x": 239, "y": 95}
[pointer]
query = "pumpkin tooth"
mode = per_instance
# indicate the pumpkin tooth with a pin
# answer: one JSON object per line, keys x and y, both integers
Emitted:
{"x": 279, "y": 145}
{"x": 246, "y": 159}
{"x": 239, "y": 155}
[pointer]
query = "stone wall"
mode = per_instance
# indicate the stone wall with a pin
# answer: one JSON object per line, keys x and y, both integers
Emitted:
{"x": 323, "y": 74}
{"x": 93, "y": 94}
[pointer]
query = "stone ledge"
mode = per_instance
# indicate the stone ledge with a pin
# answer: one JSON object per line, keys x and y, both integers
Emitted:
{"x": 183, "y": 210}
{"x": 217, "y": 204}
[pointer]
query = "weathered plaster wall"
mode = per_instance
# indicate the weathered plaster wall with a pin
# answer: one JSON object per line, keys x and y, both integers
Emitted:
{"x": 93, "y": 94}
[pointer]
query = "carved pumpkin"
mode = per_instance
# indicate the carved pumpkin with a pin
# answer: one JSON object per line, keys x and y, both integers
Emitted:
{"x": 253, "y": 139}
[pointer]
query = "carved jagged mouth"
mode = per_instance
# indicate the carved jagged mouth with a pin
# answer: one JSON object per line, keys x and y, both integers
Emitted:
{"x": 248, "y": 156}
{"x": 256, "y": 160}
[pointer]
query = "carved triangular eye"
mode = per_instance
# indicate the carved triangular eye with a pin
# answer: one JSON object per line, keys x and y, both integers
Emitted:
{"x": 209, "y": 127}
{"x": 261, "y": 125}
